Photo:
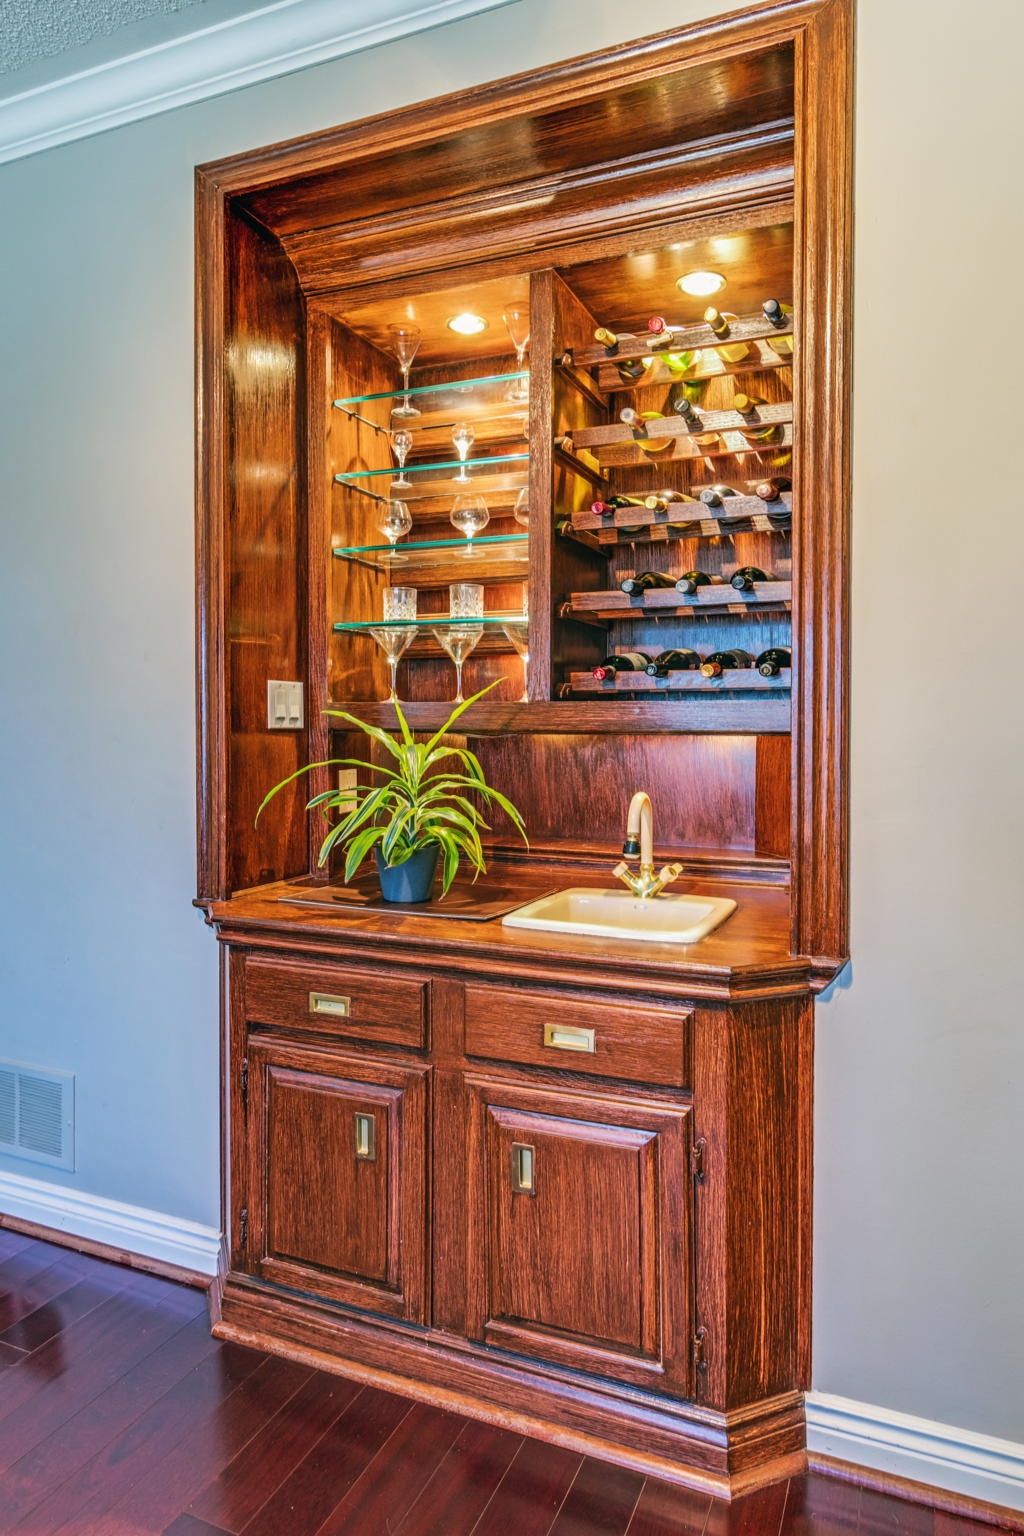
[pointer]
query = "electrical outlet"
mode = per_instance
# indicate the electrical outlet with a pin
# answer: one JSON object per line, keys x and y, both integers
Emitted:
{"x": 285, "y": 706}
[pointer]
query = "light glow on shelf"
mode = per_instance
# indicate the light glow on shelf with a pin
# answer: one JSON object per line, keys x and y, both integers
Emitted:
{"x": 701, "y": 284}
{"x": 467, "y": 324}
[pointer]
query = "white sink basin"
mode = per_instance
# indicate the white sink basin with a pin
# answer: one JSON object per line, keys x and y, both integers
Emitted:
{"x": 664, "y": 919}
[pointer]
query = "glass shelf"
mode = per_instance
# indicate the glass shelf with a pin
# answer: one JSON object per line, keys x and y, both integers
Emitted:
{"x": 504, "y": 471}
{"x": 506, "y": 547}
{"x": 457, "y": 396}
{"x": 432, "y": 621}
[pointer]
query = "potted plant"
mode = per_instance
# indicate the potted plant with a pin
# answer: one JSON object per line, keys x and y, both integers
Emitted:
{"x": 422, "y": 808}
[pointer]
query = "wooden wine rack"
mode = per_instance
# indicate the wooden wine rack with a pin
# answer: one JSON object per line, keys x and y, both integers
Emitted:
{"x": 736, "y": 679}
{"x": 690, "y": 338}
{"x": 666, "y": 602}
{"x": 609, "y": 527}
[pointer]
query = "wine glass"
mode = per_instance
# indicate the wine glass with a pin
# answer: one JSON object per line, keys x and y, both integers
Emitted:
{"x": 401, "y": 442}
{"x": 396, "y": 636}
{"x": 463, "y": 438}
{"x": 465, "y": 601}
{"x": 521, "y": 510}
{"x": 517, "y": 323}
{"x": 405, "y": 342}
{"x": 519, "y": 635}
{"x": 470, "y": 516}
{"x": 394, "y": 522}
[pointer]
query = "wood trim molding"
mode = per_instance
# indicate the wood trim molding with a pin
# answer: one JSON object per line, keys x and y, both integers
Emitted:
{"x": 258, "y": 45}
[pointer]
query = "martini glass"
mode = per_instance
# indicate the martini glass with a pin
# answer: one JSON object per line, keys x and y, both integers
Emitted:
{"x": 394, "y": 522}
{"x": 470, "y": 516}
{"x": 401, "y": 442}
{"x": 405, "y": 342}
{"x": 519, "y": 635}
{"x": 517, "y": 323}
{"x": 463, "y": 438}
{"x": 465, "y": 601}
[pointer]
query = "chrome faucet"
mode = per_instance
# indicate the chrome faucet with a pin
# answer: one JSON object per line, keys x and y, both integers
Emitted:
{"x": 640, "y": 839}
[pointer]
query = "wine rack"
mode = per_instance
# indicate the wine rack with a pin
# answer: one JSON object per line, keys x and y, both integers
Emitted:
{"x": 733, "y": 680}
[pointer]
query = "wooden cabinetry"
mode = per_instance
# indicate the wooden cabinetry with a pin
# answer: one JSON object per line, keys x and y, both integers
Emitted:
{"x": 337, "y": 1156}
{"x": 579, "y": 1215}
{"x": 559, "y": 1183}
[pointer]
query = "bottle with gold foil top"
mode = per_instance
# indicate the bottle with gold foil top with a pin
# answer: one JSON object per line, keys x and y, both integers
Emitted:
{"x": 769, "y": 432}
{"x": 629, "y": 368}
{"x": 778, "y": 314}
{"x": 720, "y": 323}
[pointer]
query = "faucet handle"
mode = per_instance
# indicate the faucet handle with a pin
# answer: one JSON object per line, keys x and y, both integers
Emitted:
{"x": 623, "y": 872}
{"x": 668, "y": 873}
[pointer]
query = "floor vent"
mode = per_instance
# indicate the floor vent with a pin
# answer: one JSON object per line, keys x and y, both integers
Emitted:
{"x": 37, "y": 1114}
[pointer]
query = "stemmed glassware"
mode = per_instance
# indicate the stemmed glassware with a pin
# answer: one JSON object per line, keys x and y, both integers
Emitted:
{"x": 401, "y": 442}
{"x": 519, "y": 634}
{"x": 463, "y": 438}
{"x": 394, "y": 522}
{"x": 470, "y": 516}
{"x": 405, "y": 342}
{"x": 395, "y": 638}
{"x": 465, "y": 601}
{"x": 517, "y": 323}
{"x": 521, "y": 510}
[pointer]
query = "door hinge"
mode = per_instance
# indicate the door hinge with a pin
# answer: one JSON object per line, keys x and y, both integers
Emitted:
{"x": 245, "y": 1083}
{"x": 697, "y": 1168}
{"x": 700, "y": 1359}
{"x": 243, "y": 1227}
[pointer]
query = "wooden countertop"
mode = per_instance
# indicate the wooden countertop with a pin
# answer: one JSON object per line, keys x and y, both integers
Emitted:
{"x": 748, "y": 956}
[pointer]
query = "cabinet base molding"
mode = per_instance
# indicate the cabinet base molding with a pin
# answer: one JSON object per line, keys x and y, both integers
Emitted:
{"x": 726, "y": 1454}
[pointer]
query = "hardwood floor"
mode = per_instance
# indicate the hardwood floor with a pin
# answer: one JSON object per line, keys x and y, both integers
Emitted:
{"x": 121, "y": 1416}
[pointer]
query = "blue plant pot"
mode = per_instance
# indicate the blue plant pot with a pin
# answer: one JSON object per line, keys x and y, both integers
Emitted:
{"x": 411, "y": 881}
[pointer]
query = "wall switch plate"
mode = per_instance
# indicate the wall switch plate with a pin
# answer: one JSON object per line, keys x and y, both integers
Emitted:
{"x": 285, "y": 706}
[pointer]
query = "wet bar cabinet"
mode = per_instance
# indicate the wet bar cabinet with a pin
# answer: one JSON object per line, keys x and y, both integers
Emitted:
{"x": 557, "y": 1182}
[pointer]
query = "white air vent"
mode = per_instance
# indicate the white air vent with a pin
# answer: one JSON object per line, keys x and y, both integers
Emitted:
{"x": 37, "y": 1114}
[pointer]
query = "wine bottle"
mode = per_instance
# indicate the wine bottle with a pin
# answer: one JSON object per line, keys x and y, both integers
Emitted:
{"x": 681, "y": 362}
{"x": 689, "y": 582}
{"x": 743, "y": 579}
{"x": 625, "y": 661}
{"x": 662, "y": 503}
{"x": 771, "y": 490}
{"x": 714, "y": 495}
{"x": 644, "y": 581}
{"x": 672, "y": 661}
{"x": 747, "y": 405}
{"x": 771, "y": 662}
{"x": 725, "y": 661}
{"x": 736, "y": 351}
{"x": 661, "y": 335}
{"x": 637, "y": 423}
{"x": 609, "y": 340}
{"x": 683, "y": 406}
{"x": 778, "y": 314}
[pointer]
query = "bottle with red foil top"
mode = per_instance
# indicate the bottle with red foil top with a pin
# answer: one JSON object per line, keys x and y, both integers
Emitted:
{"x": 660, "y": 333}
{"x": 624, "y": 661}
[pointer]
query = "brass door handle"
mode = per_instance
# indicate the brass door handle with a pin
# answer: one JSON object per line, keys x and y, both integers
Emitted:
{"x": 523, "y": 1175}
{"x": 366, "y": 1138}
{"x": 569, "y": 1037}
{"x": 328, "y": 1003}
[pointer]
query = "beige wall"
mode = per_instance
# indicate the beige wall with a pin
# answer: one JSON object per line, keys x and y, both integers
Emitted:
{"x": 919, "y": 1247}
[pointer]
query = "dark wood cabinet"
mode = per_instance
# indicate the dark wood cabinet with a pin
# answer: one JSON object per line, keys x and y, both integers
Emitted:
{"x": 580, "y": 1248}
{"x": 337, "y": 1159}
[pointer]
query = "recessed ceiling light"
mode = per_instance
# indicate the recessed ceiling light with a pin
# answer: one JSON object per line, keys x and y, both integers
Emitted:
{"x": 701, "y": 284}
{"x": 467, "y": 324}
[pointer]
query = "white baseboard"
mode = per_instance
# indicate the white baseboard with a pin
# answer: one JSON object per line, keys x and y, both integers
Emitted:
{"x": 956, "y": 1460}
{"x": 150, "y": 1234}
{"x": 270, "y": 40}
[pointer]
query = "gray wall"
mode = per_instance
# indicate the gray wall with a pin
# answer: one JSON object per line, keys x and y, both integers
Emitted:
{"x": 109, "y": 971}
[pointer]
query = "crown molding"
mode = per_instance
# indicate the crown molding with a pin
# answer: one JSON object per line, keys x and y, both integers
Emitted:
{"x": 258, "y": 45}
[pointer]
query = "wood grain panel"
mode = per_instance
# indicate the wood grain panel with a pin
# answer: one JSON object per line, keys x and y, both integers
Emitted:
{"x": 391, "y": 1009}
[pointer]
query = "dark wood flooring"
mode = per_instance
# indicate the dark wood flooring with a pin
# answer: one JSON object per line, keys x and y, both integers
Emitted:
{"x": 121, "y": 1416}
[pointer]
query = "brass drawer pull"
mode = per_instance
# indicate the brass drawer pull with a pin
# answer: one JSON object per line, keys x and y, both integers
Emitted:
{"x": 366, "y": 1138}
{"x": 523, "y": 1182}
{"x": 569, "y": 1037}
{"x": 326, "y": 1002}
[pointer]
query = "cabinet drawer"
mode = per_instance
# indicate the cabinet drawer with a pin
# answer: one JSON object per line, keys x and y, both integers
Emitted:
{"x": 647, "y": 1043}
{"x": 336, "y": 1001}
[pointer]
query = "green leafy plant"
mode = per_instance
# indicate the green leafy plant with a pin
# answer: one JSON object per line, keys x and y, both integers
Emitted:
{"x": 431, "y": 795}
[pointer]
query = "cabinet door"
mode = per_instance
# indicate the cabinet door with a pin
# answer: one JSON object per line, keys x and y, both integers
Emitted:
{"x": 579, "y": 1241}
{"x": 337, "y": 1176}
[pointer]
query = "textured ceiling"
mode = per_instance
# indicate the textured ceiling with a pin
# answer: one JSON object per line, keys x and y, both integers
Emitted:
{"x": 41, "y": 29}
